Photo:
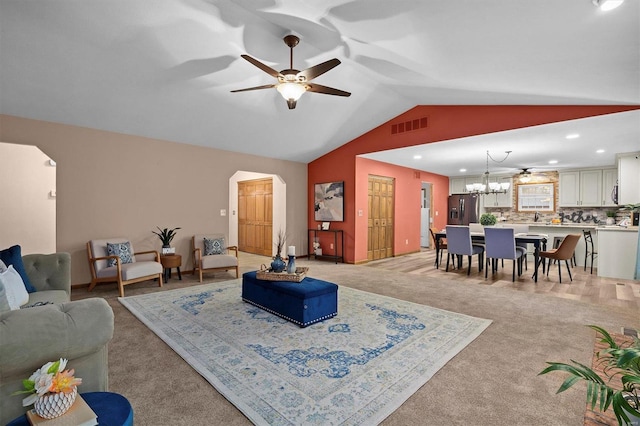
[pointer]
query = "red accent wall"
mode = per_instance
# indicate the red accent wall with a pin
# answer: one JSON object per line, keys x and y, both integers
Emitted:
{"x": 444, "y": 122}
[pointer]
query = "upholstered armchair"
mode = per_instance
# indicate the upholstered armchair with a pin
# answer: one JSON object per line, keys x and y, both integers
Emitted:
{"x": 210, "y": 253}
{"x": 113, "y": 260}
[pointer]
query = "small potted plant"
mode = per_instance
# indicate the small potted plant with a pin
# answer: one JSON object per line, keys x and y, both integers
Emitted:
{"x": 617, "y": 361}
{"x": 166, "y": 235}
{"x": 611, "y": 217}
{"x": 487, "y": 219}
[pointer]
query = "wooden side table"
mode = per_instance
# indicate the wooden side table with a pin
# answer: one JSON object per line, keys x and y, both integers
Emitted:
{"x": 171, "y": 261}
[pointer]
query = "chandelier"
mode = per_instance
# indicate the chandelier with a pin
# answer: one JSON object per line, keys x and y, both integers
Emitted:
{"x": 487, "y": 187}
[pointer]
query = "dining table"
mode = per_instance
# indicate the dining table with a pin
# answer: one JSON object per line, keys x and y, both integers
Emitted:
{"x": 539, "y": 242}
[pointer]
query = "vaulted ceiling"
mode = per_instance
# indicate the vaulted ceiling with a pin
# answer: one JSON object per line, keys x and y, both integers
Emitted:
{"x": 165, "y": 68}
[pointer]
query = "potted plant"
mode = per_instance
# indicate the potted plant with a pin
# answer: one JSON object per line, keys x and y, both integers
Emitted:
{"x": 616, "y": 361}
{"x": 166, "y": 235}
{"x": 611, "y": 217}
{"x": 487, "y": 219}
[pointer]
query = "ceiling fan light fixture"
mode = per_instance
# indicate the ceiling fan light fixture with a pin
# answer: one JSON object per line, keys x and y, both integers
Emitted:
{"x": 606, "y": 5}
{"x": 525, "y": 177}
{"x": 291, "y": 90}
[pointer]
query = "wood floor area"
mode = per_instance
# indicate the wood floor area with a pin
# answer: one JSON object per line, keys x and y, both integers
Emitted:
{"x": 585, "y": 286}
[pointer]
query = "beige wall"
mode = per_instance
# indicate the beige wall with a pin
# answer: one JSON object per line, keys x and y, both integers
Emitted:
{"x": 27, "y": 206}
{"x": 111, "y": 184}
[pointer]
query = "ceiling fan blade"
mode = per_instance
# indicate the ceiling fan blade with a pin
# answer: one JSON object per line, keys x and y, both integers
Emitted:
{"x": 266, "y": 86}
{"x": 262, "y": 66}
{"x": 311, "y": 87}
{"x": 311, "y": 73}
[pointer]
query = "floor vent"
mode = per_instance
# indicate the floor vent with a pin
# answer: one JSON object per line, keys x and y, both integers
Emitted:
{"x": 409, "y": 126}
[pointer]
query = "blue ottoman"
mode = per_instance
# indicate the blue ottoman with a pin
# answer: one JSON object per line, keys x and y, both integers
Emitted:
{"x": 302, "y": 303}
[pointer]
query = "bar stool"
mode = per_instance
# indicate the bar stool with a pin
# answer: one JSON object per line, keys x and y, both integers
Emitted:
{"x": 589, "y": 249}
{"x": 556, "y": 243}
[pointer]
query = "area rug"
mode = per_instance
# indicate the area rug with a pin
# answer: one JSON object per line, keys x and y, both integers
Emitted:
{"x": 353, "y": 369}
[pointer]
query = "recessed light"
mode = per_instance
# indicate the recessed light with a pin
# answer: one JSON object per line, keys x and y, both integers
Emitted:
{"x": 600, "y": 151}
{"x": 553, "y": 161}
{"x": 417, "y": 157}
{"x": 573, "y": 136}
{"x": 463, "y": 170}
{"x": 606, "y": 5}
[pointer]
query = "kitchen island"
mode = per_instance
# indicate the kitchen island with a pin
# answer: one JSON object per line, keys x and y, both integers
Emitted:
{"x": 617, "y": 247}
{"x": 617, "y": 252}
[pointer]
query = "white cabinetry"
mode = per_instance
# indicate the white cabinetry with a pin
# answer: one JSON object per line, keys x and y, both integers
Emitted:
{"x": 502, "y": 199}
{"x": 609, "y": 181}
{"x": 581, "y": 188}
{"x": 458, "y": 185}
{"x": 629, "y": 178}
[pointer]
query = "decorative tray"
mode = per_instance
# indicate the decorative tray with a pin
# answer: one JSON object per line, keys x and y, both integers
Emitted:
{"x": 268, "y": 275}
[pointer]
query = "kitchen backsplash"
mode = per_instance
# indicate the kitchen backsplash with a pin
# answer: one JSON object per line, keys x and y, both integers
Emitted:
{"x": 566, "y": 214}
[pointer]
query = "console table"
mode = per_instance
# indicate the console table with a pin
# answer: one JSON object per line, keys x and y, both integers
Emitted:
{"x": 337, "y": 255}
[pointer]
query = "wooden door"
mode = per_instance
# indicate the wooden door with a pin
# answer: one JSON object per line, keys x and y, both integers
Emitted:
{"x": 380, "y": 235}
{"x": 255, "y": 216}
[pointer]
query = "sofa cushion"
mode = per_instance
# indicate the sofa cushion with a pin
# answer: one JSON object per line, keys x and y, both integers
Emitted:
{"x": 13, "y": 256}
{"x": 14, "y": 289}
{"x": 122, "y": 250}
{"x": 213, "y": 246}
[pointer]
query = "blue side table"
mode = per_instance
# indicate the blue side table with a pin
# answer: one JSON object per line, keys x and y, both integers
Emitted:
{"x": 111, "y": 408}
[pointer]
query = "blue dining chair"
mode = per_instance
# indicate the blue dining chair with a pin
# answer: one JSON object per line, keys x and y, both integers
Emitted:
{"x": 500, "y": 243}
{"x": 459, "y": 244}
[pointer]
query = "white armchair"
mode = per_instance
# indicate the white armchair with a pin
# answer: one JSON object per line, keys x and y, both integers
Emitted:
{"x": 121, "y": 266}
{"x": 213, "y": 256}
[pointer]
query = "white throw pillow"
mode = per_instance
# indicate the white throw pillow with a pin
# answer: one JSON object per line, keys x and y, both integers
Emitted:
{"x": 14, "y": 288}
{"x": 3, "y": 267}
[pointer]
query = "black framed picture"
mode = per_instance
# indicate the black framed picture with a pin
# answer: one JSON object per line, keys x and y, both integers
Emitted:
{"x": 329, "y": 202}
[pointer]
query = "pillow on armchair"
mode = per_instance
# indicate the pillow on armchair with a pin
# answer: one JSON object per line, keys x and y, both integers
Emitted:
{"x": 214, "y": 246}
{"x": 122, "y": 250}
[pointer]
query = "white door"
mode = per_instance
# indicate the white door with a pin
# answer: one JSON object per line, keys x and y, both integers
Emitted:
{"x": 425, "y": 215}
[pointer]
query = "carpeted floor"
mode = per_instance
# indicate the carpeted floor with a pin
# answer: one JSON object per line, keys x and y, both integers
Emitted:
{"x": 492, "y": 382}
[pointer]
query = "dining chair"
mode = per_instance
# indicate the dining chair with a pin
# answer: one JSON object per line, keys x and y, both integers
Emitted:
{"x": 500, "y": 243}
{"x": 565, "y": 251}
{"x": 521, "y": 229}
{"x": 589, "y": 249}
{"x": 459, "y": 244}
{"x": 441, "y": 246}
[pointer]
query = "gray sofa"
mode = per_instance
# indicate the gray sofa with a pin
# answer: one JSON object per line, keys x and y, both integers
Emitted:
{"x": 30, "y": 337}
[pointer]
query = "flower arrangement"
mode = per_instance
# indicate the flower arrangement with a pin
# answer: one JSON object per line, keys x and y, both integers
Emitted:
{"x": 166, "y": 235}
{"x": 50, "y": 378}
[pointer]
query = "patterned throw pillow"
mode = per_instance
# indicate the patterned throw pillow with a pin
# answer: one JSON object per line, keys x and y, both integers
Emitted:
{"x": 213, "y": 246}
{"x": 122, "y": 250}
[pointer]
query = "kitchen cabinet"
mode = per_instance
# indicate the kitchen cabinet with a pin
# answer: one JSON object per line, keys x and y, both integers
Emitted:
{"x": 501, "y": 199}
{"x": 629, "y": 178}
{"x": 458, "y": 185}
{"x": 581, "y": 188}
{"x": 609, "y": 181}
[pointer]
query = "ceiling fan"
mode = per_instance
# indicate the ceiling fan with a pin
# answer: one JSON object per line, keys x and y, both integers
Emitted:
{"x": 293, "y": 83}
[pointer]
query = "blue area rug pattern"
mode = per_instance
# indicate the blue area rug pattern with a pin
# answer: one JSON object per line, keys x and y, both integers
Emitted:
{"x": 354, "y": 369}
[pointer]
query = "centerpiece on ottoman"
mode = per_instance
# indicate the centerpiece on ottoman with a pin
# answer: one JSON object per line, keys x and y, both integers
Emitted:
{"x": 304, "y": 304}
{"x": 51, "y": 389}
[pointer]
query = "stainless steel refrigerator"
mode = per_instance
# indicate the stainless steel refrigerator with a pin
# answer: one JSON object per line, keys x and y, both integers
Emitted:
{"x": 463, "y": 209}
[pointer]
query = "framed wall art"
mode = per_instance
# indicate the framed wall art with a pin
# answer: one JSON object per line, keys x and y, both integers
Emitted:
{"x": 329, "y": 202}
{"x": 536, "y": 197}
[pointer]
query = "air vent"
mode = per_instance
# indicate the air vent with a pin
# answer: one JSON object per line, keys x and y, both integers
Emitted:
{"x": 409, "y": 126}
